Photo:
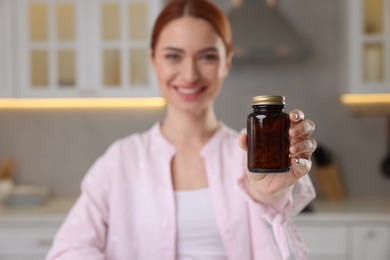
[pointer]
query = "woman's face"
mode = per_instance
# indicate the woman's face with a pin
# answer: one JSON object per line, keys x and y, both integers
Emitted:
{"x": 190, "y": 62}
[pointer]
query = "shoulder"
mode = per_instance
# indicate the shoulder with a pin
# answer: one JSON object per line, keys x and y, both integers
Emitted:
{"x": 131, "y": 149}
{"x": 130, "y": 145}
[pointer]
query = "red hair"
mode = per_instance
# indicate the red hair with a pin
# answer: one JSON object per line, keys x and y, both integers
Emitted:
{"x": 202, "y": 9}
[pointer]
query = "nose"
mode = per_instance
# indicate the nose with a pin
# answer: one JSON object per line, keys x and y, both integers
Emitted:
{"x": 190, "y": 71}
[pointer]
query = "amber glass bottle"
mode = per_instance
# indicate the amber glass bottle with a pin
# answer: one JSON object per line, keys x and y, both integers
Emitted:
{"x": 268, "y": 139}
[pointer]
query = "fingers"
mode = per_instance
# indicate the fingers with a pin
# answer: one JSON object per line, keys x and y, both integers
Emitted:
{"x": 303, "y": 148}
{"x": 296, "y": 115}
{"x": 302, "y": 129}
{"x": 302, "y": 145}
{"x": 300, "y": 166}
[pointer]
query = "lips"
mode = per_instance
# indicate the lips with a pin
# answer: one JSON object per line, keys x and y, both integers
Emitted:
{"x": 190, "y": 93}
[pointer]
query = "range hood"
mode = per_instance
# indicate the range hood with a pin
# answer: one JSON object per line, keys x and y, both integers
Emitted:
{"x": 263, "y": 35}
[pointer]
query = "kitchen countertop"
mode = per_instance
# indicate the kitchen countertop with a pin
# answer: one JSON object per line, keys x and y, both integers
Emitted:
{"x": 356, "y": 209}
{"x": 56, "y": 208}
{"x": 376, "y": 209}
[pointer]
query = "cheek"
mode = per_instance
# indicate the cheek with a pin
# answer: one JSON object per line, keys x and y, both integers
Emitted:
{"x": 163, "y": 72}
{"x": 215, "y": 71}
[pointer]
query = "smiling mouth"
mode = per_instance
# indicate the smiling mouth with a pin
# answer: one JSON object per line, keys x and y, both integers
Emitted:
{"x": 189, "y": 91}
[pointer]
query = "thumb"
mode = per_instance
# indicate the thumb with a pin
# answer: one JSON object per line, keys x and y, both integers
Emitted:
{"x": 243, "y": 140}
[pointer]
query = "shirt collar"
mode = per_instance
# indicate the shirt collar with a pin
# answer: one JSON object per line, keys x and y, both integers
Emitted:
{"x": 161, "y": 142}
{"x": 207, "y": 149}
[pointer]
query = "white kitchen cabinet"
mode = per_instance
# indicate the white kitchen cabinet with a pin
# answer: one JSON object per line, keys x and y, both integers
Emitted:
{"x": 26, "y": 239}
{"x": 94, "y": 48}
{"x": 353, "y": 229}
{"x": 325, "y": 241}
{"x": 346, "y": 239}
{"x": 371, "y": 241}
{"x": 368, "y": 46}
{"x": 26, "y": 233}
{"x": 5, "y": 46}
{"x": 50, "y": 41}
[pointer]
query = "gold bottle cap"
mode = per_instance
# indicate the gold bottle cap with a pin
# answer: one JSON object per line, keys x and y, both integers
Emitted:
{"x": 268, "y": 100}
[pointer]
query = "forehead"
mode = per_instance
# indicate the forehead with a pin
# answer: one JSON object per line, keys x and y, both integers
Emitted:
{"x": 189, "y": 32}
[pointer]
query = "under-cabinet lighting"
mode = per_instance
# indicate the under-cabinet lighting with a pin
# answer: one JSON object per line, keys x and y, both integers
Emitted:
{"x": 81, "y": 103}
{"x": 365, "y": 99}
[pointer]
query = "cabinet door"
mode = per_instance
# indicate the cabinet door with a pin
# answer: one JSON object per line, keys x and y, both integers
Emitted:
{"x": 25, "y": 242}
{"x": 325, "y": 241}
{"x": 120, "y": 60}
{"x": 5, "y": 47}
{"x": 50, "y": 55}
{"x": 369, "y": 46}
{"x": 371, "y": 242}
{"x": 70, "y": 48}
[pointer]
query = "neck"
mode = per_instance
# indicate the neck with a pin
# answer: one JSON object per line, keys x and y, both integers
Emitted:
{"x": 189, "y": 128}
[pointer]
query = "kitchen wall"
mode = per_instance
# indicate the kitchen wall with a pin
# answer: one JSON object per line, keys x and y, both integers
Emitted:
{"x": 55, "y": 148}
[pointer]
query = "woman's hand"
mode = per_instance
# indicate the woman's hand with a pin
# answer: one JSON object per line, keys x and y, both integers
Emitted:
{"x": 269, "y": 187}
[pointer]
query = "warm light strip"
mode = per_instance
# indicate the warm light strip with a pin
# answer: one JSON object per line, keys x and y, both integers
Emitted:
{"x": 81, "y": 103}
{"x": 365, "y": 99}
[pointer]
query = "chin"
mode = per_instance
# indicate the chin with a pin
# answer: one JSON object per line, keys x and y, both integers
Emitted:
{"x": 195, "y": 108}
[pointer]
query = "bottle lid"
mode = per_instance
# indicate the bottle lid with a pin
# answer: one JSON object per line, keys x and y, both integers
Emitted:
{"x": 268, "y": 100}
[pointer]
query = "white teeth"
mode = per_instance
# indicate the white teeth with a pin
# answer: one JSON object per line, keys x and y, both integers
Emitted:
{"x": 188, "y": 90}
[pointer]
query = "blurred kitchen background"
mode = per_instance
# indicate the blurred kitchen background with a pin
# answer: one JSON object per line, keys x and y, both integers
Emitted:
{"x": 55, "y": 147}
{"x": 342, "y": 47}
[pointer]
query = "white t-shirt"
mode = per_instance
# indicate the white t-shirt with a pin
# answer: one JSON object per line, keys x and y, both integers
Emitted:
{"x": 197, "y": 231}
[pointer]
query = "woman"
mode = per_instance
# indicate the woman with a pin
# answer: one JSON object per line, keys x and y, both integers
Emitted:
{"x": 181, "y": 189}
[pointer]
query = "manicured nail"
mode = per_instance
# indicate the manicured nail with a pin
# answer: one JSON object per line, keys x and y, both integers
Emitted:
{"x": 296, "y": 161}
{"x": 296, "y": 117}
{"x": 300, "y": 162}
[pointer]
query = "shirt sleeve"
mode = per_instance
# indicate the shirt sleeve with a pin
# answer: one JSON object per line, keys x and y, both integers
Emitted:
{"x": 279, "y": 216}
{"x": 82, "y": 235}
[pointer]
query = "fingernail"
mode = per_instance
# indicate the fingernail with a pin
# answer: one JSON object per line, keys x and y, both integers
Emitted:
{"x": 296, "y": 117}
{"x": 300, "y": 162}
{"x": 296, "y": 161}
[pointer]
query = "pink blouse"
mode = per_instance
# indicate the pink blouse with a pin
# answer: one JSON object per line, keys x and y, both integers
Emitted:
{"x": 126, "y": 209}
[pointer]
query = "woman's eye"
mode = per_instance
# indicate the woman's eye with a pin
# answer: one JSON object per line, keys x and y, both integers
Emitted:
{"x": 210, "y": 57}
{"x": 173, "y": 57}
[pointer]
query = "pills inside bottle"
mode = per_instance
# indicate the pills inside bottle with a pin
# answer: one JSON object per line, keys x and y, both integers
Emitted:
{"x": 268, "y": 139}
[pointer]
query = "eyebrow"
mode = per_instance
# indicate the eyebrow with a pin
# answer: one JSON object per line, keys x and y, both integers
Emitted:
{"x": 209, "y": 49}
{"x": 182, "y": 51}
{"x": 173, "y": 49}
